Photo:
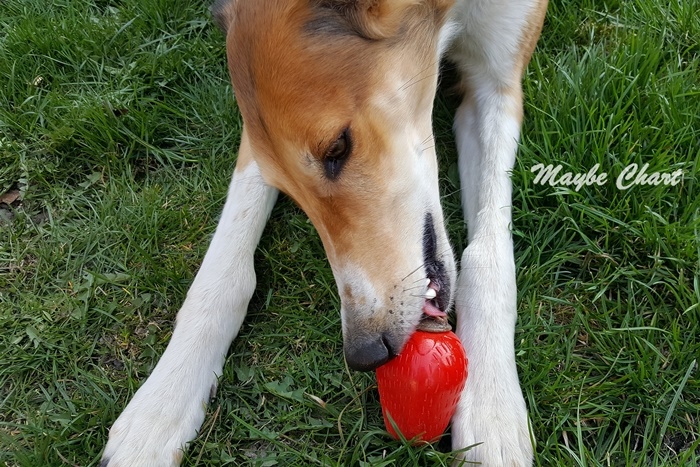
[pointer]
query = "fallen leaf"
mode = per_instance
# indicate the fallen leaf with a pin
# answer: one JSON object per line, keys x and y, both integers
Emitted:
{"x": 10, "y": 197}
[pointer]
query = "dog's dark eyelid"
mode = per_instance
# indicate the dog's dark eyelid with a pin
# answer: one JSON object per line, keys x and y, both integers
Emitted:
{"x": 339, "y": 147}
{"x": 337, "y": 154}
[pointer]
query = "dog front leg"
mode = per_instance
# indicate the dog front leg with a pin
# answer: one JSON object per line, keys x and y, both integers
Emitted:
{"x": 491, "y": 54}
{"x": 491, "y": 410}
{"x": 169, "y": 408}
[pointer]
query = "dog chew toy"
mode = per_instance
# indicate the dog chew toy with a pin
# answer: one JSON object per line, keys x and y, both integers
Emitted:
{"x": 419, "y": 389}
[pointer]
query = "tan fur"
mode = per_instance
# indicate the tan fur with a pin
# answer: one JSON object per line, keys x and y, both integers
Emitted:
{"x": 291, "y": 120}
{"x": 535, "y": 21}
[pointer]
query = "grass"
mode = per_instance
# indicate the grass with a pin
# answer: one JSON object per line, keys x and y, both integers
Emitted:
{"x": 118, "y": 132}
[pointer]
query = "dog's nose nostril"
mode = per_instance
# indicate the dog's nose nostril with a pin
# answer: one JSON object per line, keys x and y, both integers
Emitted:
{"x": 369, "y": 353}
{"x": 390, "y": 346}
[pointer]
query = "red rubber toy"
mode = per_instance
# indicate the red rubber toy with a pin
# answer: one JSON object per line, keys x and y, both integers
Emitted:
{"x": 420, "y": 388}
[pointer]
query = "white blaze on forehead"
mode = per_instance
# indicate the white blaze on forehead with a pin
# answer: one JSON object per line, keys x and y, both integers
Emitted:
{"x": 411, "y": 144}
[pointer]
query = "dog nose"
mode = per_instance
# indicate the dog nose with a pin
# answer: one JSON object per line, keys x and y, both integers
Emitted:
{"x": 365, "y": 353}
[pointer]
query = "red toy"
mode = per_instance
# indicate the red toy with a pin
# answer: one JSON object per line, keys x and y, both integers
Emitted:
{"x": 419, "y": 389}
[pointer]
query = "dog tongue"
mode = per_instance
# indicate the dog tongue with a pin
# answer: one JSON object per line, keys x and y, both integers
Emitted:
{"x": 431, "y": 310}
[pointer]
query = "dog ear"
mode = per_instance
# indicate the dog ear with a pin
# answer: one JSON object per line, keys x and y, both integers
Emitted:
{"x": 223, "y": 12}
{"x": 374, "y": 19}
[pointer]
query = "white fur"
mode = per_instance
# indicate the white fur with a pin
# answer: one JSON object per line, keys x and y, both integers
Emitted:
{"x": 169, "y": 408}
{"x": 491, "y": 411}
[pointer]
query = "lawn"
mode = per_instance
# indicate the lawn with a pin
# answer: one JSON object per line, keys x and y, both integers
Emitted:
{"x": 118, "y": 135}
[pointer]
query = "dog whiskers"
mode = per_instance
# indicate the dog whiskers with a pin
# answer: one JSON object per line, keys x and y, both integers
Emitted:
{"x": 413, "y": 79}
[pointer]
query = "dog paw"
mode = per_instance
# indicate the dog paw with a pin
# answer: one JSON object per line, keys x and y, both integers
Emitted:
{"x": 156, "y": 426}
{"x": 494, "y": 421}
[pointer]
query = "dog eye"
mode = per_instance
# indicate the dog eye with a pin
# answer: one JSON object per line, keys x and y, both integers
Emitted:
{"x": 337, "y": 154}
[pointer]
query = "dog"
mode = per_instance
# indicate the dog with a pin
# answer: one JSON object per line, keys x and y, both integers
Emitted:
{"x": 336, "y": 98}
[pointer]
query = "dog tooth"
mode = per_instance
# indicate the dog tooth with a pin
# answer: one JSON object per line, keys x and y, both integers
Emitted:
{"x": 430, "y": 294}
{"x": 427, "y": 282}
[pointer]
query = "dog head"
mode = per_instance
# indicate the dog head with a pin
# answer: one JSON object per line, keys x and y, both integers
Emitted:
{"x": 336, "y": 98}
